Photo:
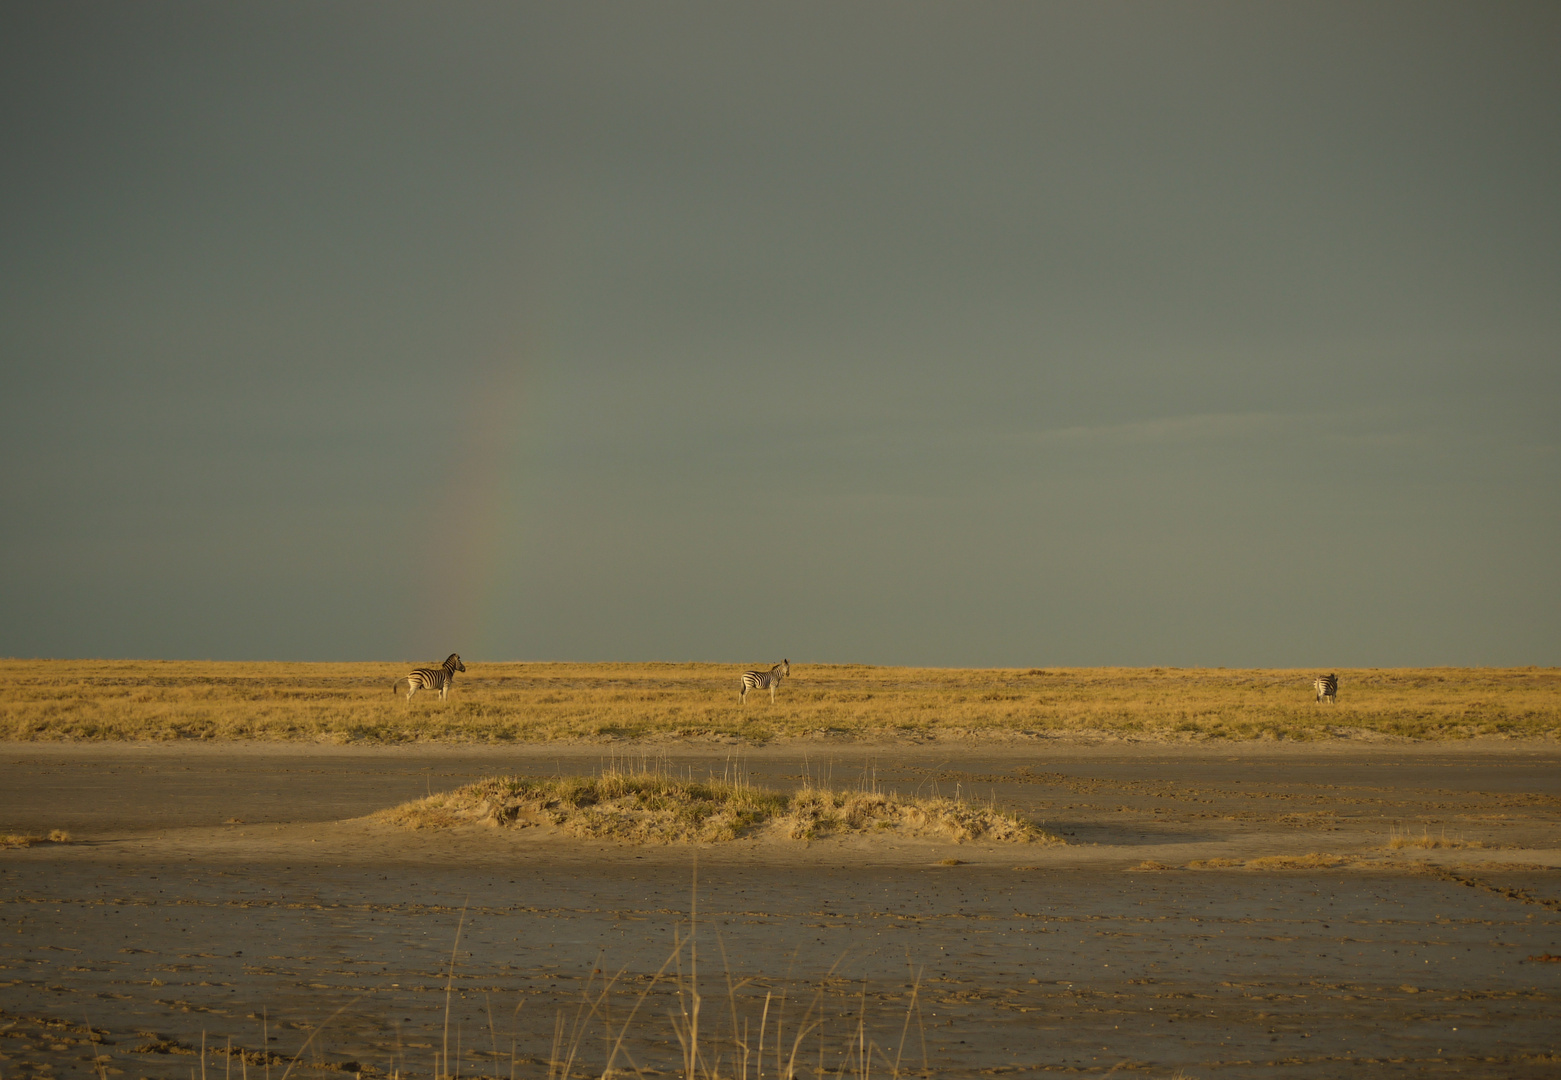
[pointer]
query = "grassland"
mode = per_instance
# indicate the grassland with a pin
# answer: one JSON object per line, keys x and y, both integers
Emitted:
{"x": 540, "y": 702}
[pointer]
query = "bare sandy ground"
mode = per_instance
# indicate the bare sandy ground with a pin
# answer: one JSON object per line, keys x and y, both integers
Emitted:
{"x": 235, "y": 892}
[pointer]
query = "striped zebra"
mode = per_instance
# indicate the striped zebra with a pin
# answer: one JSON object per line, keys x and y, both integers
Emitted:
{"x": 430, "y": 678}
{"x": 1327, "y": 687}
{"x": 763, "y": 680}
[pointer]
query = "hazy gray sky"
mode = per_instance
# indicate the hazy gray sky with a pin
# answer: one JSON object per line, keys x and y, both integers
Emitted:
{"x": 965, "y": 334}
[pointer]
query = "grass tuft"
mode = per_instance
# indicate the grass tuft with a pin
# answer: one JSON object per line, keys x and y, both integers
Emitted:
{"x": 1400, "y": 840}
{"x": 653, "y": 808}
{"x": 20, "y": 840}
{"x": 1317, "y": 860}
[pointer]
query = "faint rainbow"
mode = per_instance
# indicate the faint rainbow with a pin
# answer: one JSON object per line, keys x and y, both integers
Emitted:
{"x": 477, "y": 540}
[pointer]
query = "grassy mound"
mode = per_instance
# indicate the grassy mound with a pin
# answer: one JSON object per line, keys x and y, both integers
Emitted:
{"x": 650, "y": 808}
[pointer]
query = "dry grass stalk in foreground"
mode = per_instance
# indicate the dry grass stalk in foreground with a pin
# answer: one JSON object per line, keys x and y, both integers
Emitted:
{"x": 1400, "y": 840}
{"x": 829, "y": 1029}
{"x": 652, "y": 808}
{"x": 740, "y": 1052}
{"x": 96, "y": 699}
{"x": 826, "y": 1031}
{"x": 12, "y": 840}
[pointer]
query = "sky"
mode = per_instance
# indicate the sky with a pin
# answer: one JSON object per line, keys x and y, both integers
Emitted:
{"x": 999, "y": 334}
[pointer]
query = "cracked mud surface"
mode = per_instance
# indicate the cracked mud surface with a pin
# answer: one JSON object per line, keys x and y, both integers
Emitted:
{"x": 233, "y": 892}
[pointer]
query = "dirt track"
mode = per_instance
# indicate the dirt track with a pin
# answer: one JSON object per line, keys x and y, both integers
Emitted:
{"x": 214, "y": 888}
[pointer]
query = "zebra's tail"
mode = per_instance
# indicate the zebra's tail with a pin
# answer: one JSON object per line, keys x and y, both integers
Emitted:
{"x": 395, "y": 687}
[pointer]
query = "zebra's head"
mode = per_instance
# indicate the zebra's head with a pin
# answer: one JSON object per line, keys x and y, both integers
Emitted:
{"x": 785, "y": 668}
{"x": 454, "y": 663}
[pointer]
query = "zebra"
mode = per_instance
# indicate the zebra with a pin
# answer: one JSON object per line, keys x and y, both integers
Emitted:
{"x": 1327, "y": 687}
{"x": 439, "y": 678}
{"x": 763, "y": 680}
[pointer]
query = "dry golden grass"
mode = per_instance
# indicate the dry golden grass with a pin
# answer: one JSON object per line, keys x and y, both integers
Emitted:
{"x": 99, "y": 699}
{"x": 1314, "y": 861}
{"x": 1317, "y": 860}
{"x": 14, "y": 840}
{"x": 1400, "y": 840}
{"x": 653, "y": 808}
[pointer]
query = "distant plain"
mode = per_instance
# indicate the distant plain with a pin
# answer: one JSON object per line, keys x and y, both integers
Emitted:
{"x": 598, "y": 703}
